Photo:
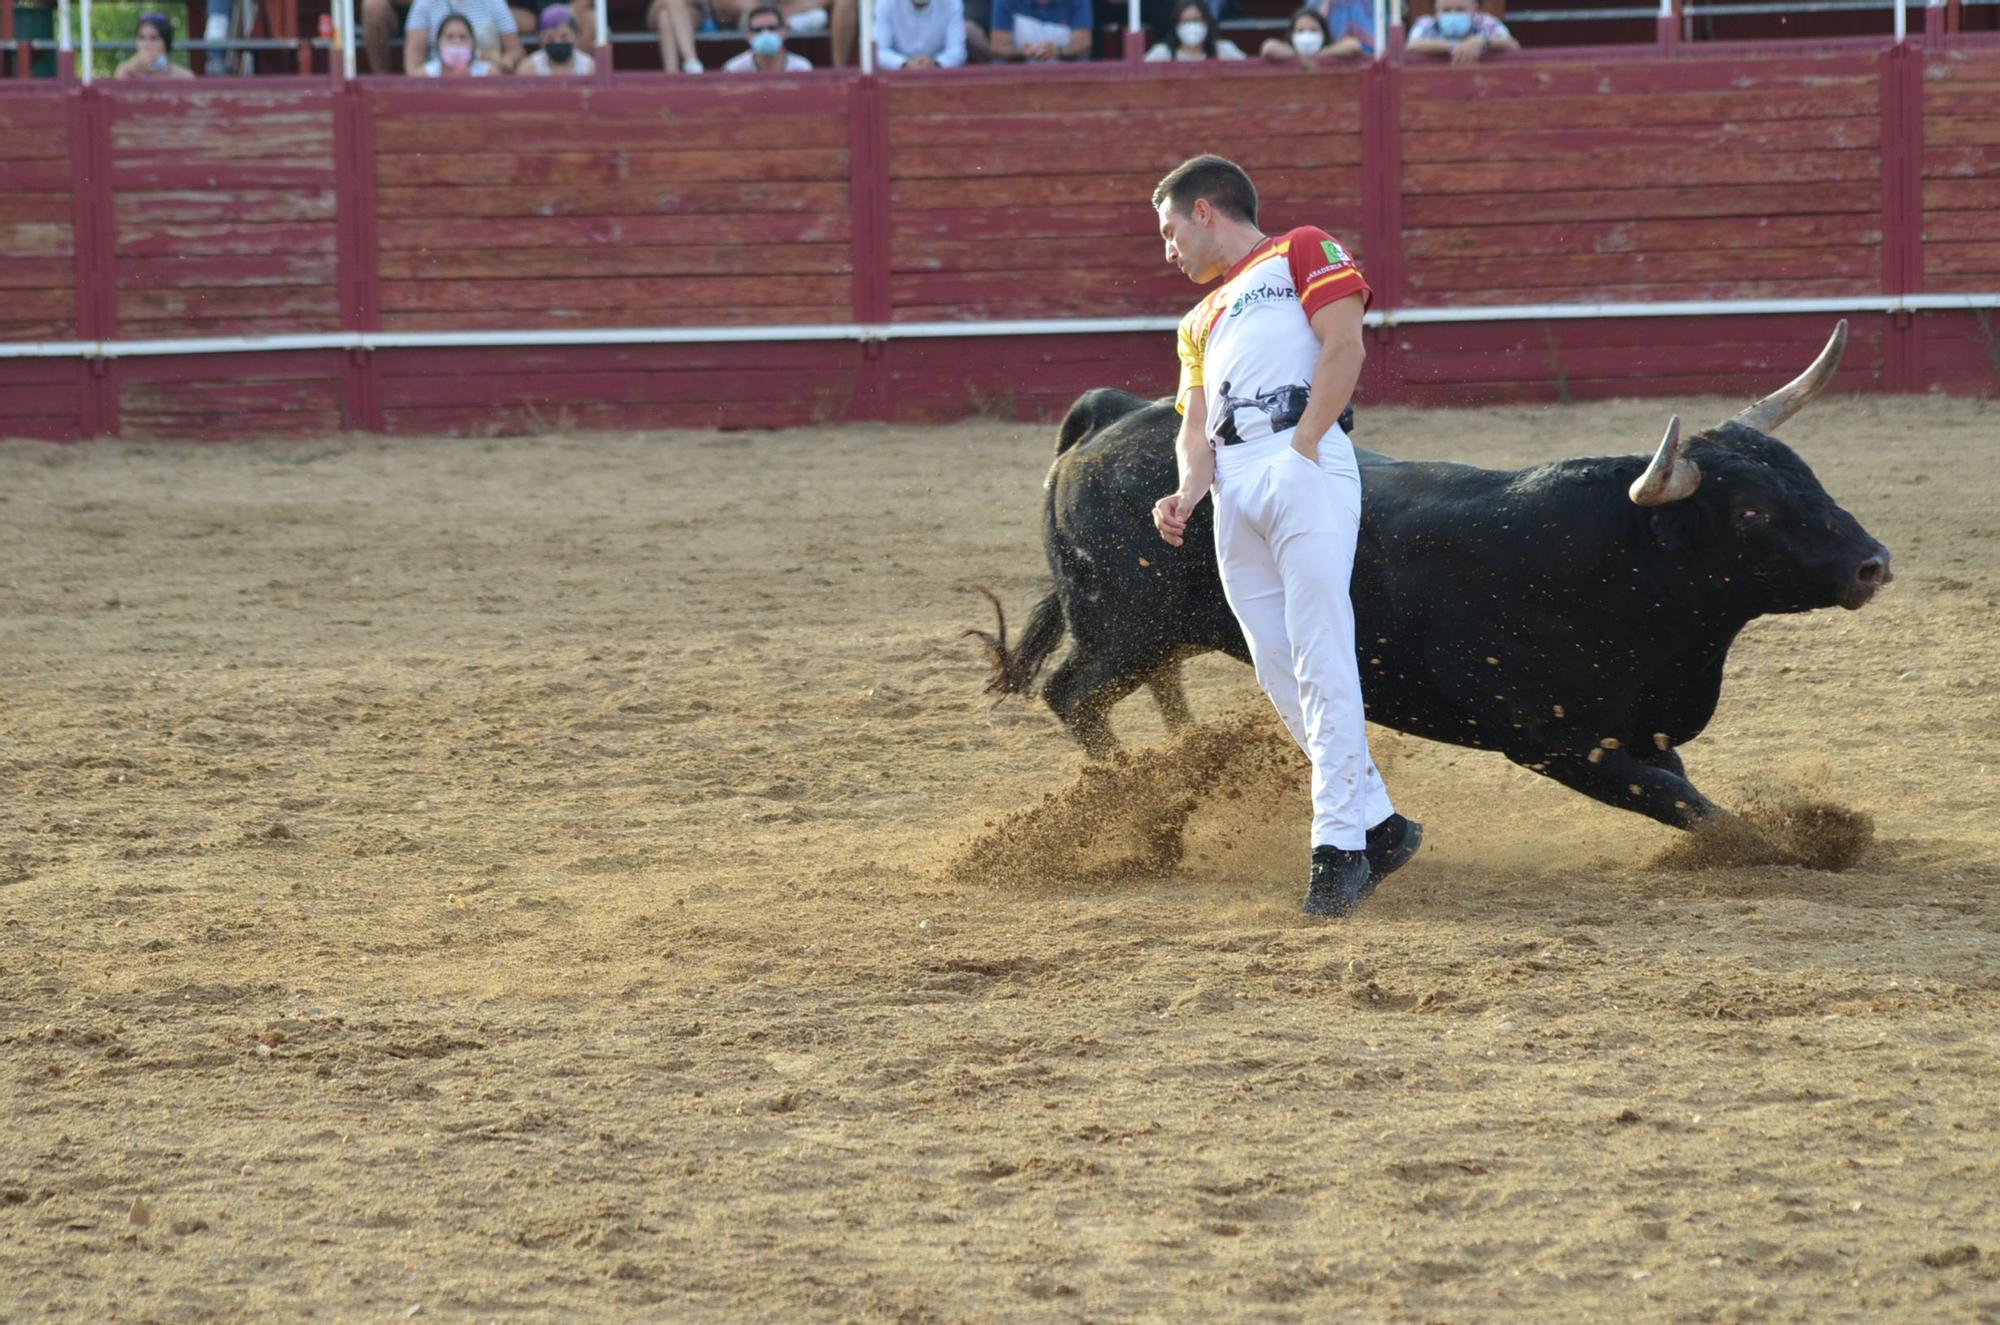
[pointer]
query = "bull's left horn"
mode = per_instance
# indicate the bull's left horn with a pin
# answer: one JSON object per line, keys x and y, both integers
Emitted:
{"x": 1773, "y": 411}
{"x": 1671, "y": 476}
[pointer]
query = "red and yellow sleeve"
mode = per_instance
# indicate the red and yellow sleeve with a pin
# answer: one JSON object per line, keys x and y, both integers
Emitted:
{"x": 1322, "y": 271}
{"x": 1188, "y": 346}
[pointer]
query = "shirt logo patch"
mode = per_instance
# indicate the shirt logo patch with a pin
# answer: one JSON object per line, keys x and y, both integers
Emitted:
{"x": 1262, "y": 292}
{"x": 1334, "y": 252}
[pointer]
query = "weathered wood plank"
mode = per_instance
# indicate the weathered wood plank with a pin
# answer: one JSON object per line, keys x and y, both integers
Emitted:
{"x": 716, "y": 231}
{"x": 1748, "y": 79}
{"x": 1127, "y": 254}
{"x": 1657, "y": 237}
{"x": 1514, "y": 207}
{"x": 611, "y": 200}
{"x": 1637, "y": 365}
{"x": 527, "y": 361}
{"x": 1827, "y": 287}
{"x": 1947, "y": 227}
{"x": 251, "y": 393}
{"x": 763, "y": 315}
{"x": 1962, "y": 130}
{"x": 1652, "y": 171}
{"x": 397, "y": 135}
{"x": 217, "y": 136}
{"x": 665, "y": 292}
{"x": 505, "y": 420}
{"x": 1584, "y": 271}
{"x": 141, "y": 425}
{"x": 213, "y": 273}
{"x": 1948, "y": 195}
{"x": 1030, "y": 158}
{"x": 1251, "y": 90}
{"x": 512, "y": 387}
{"x": 581, "y": 261}
{"x": 24, "y": 240}
{"x": 307, "y": 307}
{"x": 1567, "y": 144}
{"x": 1964, "y": 259}
{"x": 610, "y": 169}
{"x": 1970, "y": 162}
{"x": 1226, "y": 127}
{"x": 1123, "y": 220}
{"x": 34, "y": 208}
{"x": 164, "y": 175}
{"x": 248, "y": 240}
{"x": 1838, "y": 99}
{"x": 1334, "y": 184}
{"x": 42, "y": 304}
{"x": 215, "y": 207}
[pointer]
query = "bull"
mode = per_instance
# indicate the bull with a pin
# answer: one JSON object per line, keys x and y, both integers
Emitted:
{"x": 1574, "y": 616}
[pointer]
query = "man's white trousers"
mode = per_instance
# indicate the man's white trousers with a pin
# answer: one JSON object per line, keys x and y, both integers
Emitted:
{"x": 1285, "y": 531}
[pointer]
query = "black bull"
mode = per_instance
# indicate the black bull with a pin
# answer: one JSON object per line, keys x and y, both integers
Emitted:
{"x": 1574, "y": 616}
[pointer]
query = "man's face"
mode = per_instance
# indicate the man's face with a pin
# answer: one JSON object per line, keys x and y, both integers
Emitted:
{"x": 1455, "y": 6}
{"x": 1190, "y": 239}
{"x": 766, "y": 23}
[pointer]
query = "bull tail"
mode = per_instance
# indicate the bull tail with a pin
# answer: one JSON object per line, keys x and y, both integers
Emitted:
{"x": 1014, "y": 668}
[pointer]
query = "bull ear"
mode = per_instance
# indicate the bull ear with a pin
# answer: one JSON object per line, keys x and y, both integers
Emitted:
{"x": 1773, "y": 411}
{"x": 1671, "y": 476}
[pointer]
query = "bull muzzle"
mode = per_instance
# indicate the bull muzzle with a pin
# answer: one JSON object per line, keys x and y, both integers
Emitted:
{"x": 1870, "y": 577}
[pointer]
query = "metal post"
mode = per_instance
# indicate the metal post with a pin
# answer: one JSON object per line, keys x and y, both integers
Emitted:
{"x": 603, "y": 14}
{"x": 88, "y": 47}
{"x": 1902, "y": 21}
{"x": 1135, "y": 33}
{"x": 346, "y": 11}
{"x": 867, "y": 35}
{"x": 1381, "y": 28}
{"x": 65, "y": 57}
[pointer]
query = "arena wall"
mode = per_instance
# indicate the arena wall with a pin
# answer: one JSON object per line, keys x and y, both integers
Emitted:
{"x": 362, "y": 223}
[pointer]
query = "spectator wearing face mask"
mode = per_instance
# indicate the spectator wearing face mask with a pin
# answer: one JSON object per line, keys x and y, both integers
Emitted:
{"x": 496, "y": 35}
{"x": 558, "y": 53}
{"x": 455, "y": 56}
{"x": 1041, "y": 30}
{"x": 767, "y": 54}
{"x": 1459, "y": 31}
{"x": 155, "y": 40}
{"x": 1194, "y": 37}
{"x": 920, "y": 34}
{"x": 1317, "y": 37}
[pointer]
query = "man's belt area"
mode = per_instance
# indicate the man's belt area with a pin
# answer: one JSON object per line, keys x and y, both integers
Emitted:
{"x": 1284, "y": 413}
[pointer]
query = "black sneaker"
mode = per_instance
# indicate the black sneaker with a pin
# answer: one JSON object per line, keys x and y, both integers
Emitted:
{"x": 1391, "y": 844}
{"x": 1337, "y": 880}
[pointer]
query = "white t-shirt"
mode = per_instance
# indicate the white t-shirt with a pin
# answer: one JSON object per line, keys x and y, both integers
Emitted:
{"x": 491, "y": 20}
{"x": 1249, "y": 344}
{"x": 538, "y": 63}
{"x": 746, "y": 62}
{"x": 1225, "y": 49}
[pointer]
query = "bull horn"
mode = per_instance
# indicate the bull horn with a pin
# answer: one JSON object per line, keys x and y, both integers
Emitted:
{"x": 1773, "y": 411}
{"x": 1671, "y": 476}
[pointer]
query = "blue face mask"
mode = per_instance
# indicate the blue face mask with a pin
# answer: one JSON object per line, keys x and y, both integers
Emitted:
{"x": 1454, "y": 24}
{"x": 766, "y": 44}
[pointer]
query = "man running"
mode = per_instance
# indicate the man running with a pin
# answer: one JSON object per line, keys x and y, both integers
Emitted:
{"x": 1268, "y": 361}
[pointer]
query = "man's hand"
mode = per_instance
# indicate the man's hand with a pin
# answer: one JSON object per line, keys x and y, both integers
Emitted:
{"x": 920, "y": 62}
{"x": 1469, "y": 50}
{"x": 1171, "y": 514}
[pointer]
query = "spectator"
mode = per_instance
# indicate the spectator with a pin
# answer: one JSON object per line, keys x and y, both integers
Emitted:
{"x": 1194, "y": 37}
{"x": 455, "y": 56}
{"x": 920, "y": 34}
{"x": 1336, "y": 30}
{"x": 978, "y": 21}
{"x": 582, "y": 17}
{"x": 558, "y": 53}
{"x": 1041, "y": 30}
{"x": 1459, "y": 31}
{"x": 155, "y": 39}
{"x": 767, "y": 54}
{"x": 496, "y": 36}
{"x": 674, "y": 21}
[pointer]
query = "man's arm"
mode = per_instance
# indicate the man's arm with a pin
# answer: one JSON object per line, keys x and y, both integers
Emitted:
{"x": 953, "y": 54}
{"x": 416, "y": 49}
{"x": 511, "y": 51}
{"x": 1196, "y": 461}
{"x": 1341, "y": 351}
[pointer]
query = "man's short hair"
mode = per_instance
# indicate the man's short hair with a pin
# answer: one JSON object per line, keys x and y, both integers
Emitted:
{"x": 1215, "y": 178}
{"x": 772, "y": 10}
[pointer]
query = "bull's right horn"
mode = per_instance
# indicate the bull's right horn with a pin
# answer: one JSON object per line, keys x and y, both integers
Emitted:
{"x": 1671, "y": 476}
{"x": 1772, "y": 412}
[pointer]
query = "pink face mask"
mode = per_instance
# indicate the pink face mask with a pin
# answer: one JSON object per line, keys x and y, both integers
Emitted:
{"x": 458, "y": 57}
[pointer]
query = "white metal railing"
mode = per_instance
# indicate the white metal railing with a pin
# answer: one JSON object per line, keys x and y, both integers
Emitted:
{"x": 888, "y": 331}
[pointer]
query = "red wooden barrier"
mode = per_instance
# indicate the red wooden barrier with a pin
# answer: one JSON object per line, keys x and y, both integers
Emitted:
{"x": 304, "y": 206}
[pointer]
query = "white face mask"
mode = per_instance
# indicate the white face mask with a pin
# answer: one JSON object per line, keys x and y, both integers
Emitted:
{"x": 1192, "y": 34}
{"x": 1307, "y": 41}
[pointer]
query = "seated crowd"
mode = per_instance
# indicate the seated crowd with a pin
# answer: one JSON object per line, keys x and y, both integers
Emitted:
{"x": 481, "y": 38}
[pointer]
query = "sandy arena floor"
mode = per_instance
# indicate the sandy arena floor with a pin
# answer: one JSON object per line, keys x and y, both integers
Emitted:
{"x": 504, "y": 881}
